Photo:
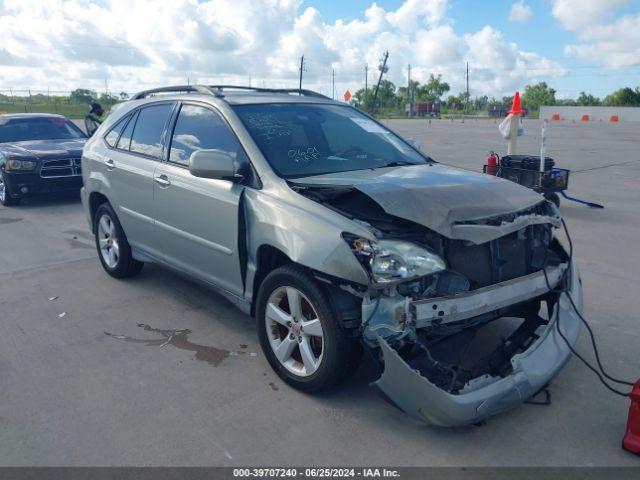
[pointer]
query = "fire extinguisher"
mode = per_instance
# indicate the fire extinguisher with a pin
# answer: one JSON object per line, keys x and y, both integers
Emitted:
{"x": 631, "y": 441}
{"x": 492, "y": 163}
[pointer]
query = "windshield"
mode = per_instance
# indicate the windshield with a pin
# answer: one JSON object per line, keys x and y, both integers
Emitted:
{"x": 40, "y": 128}
{"x": 300, "y": 140}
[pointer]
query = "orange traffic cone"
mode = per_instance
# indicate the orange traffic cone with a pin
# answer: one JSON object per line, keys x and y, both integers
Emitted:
{"x": 516, "y": 109}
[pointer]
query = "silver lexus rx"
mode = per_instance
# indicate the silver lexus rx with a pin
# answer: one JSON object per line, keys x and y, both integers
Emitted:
{"x": 337, "y": 235}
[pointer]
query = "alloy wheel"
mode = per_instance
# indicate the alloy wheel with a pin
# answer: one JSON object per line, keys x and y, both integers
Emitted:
{"x": 294, "y": 331}
{"x": 108, "y": 241}
{"x": 3, "y": 190}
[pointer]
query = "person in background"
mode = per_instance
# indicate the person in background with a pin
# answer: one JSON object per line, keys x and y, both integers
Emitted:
{"x": 93, "y": 119}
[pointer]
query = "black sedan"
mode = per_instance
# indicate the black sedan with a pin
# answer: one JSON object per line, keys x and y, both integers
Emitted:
{"x": 39, "y": 153}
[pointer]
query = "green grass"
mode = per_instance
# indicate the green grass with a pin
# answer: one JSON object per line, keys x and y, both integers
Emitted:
{"x": 68, "y": 110}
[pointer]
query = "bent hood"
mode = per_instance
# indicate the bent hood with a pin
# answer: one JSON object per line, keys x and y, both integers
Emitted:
{"x": 44, "y": 149}
{"x": 441, "y": 198}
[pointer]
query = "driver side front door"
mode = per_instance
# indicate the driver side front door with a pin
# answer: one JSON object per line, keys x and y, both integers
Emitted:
{"x": 197, "y": 218}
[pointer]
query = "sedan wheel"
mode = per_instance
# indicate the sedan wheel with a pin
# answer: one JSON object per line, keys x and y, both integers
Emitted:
{"x": 294, "y": 331}
{"x": 108, "y": 241}
{"x": 5, "y": 197}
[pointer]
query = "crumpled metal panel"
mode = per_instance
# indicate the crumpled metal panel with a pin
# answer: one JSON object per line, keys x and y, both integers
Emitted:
{"x": 439, "y": 197}
{"x": 488, "y": 396}
{"x": 307, "y": 232}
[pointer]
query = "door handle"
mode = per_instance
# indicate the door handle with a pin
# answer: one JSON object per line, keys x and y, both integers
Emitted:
{"x": 162, "y": 180}
{"x": 110, "y": 164}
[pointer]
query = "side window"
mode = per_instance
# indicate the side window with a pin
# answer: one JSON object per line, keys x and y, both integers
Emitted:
{"x": 112, "y": 137}
{"x": 200, "y": 128}
{"x": 147, "y": 133}
{"x": 125, "y": 138}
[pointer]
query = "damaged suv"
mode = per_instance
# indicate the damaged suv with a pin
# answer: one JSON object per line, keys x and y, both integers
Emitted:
{"x": 338, "y": 235}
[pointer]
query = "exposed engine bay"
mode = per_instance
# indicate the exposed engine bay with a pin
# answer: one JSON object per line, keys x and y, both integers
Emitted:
{"x": 461, "y": 327}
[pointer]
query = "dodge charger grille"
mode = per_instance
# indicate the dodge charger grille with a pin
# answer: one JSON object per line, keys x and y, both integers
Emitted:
{"x": 67, "y": 167}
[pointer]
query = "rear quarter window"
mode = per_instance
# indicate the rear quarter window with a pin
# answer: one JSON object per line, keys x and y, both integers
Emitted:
{"x": 125, "y": 138}
{"x": 112, "y": 137}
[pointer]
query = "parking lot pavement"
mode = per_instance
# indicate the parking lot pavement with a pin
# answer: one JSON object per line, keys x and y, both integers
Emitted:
{"x": 72, "y": 395}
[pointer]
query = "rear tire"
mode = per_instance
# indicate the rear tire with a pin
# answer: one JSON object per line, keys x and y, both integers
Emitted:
{"x": 306, "y": 345}
{"x": 113, "y": 248}
{"x": 5, "y": 196}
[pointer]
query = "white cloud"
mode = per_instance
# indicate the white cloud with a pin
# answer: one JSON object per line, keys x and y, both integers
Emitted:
{"x": 613, "y": 40}
{"x": 136, "y": 44}
{"x": 578, "y": 14}
{"x": 520, "y": 12}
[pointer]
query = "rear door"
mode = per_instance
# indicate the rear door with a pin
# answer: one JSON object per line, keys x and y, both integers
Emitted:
{"x": 197, "y": 218}
{"x": 130, "y": 167}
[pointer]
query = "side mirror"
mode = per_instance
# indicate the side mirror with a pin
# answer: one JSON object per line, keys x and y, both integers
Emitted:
{"x": 414, "y": 143}
{"x": 214, "y": 164}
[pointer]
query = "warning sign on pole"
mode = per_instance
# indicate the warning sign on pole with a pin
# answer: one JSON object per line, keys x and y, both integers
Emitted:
{"x": 347, "y": 96}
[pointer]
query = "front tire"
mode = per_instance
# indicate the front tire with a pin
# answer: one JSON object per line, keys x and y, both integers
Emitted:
{"x": 113, "y": 248}
{"x": 303, "y": 339}
{"x": 5, "y": 196}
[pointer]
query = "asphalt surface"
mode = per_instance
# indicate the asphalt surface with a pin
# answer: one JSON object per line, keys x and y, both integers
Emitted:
{"x": 72, "y": 395}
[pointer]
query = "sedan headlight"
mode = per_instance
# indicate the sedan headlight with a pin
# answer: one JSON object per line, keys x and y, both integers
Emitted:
{"x": 20, "y": 165}
{"x": 391, "y": 261}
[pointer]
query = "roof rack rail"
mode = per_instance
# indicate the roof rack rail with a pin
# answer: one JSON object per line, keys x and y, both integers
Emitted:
{"x": 308, "y": 93}
{"x": 216, "y": 90}
{"x": 178, "y": 88}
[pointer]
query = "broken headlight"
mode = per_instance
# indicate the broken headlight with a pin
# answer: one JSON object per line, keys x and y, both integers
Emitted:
{"x": 390, "y": 261}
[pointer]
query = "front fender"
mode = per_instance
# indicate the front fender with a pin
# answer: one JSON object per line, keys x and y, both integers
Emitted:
{"x": 306, "y": 237}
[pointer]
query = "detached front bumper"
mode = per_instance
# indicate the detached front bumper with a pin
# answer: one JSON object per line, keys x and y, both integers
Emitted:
{"x": 20, "y": 185}
{"x": 486, "y": 396}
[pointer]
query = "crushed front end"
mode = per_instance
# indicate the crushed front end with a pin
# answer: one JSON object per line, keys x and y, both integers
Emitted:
{"x": 470, "y": 326}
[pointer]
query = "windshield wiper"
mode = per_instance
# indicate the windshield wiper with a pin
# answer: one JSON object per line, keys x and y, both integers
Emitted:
{"x": 398, "y": 163}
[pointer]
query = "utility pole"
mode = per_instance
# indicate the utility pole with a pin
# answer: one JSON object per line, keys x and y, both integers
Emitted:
{"x": 467, "y": 103}
{"x": 333, "y": 83}
{"x": 383, "y": 69}
{"x": 409, "y": 99}
{"x": 366, "y": 84}
{"x": 301, "y": 69}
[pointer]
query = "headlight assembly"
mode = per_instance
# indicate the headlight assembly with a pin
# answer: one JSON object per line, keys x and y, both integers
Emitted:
{"x": 390, "y": 261}
{"x": 20, "y": 165}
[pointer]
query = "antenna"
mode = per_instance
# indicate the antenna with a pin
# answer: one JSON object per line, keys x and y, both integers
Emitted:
{"x": 301, "y": 70}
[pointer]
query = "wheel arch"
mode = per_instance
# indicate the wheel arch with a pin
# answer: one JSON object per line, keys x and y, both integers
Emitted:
{"x": 268, "y": 258}
{"x": 346, "y": 305}
{"x": 95, "y": 200}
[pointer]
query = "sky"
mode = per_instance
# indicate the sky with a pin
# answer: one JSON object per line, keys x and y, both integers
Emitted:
{"x": 130, "y": 45}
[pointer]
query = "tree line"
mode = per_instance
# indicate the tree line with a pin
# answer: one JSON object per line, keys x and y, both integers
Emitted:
{"x": 79, "y": 96}
{"x": 391, "y": 100}
{"x": 394, "y": 100}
